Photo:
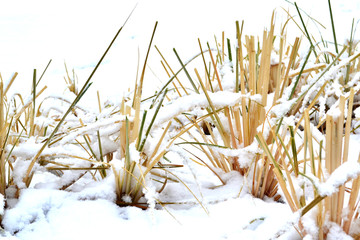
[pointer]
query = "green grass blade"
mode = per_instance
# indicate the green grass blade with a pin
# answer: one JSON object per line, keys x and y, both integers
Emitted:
{"x": 286, "y": 150}
{"x": 12, "y": 148}
{"x": 102, "y": 172}
{"x": 33, "y": 104}
{"x": 218, "y": 122}
{"x": 43, "y": 72}
{"x": 320, "y": 156}
{"x": 312, "y": 19}
{"x": 299, "y": 75}
{"x": 174, "y": 76}
{"x": 145, "y": 63}
{"x": 323, "y": 73}
{"x": 312, "y": 204}
{"x": 229, "y": 49}
{"x": 127, "y": 146}
{"x": 90, "y": 148}
{"x": 152, "y": 121}
{"x": 305, "y": 28}
{"x": 6, "y": 138}
{"x": 100, "y": 147}
{"x": 87, "y": 83}
{"x": 141, "y": 129}
{"x": 28, "y": 176}
{"x": 186, "y": 72}
{"x": 294, "y": 152}
{"x": 333, "y": 27}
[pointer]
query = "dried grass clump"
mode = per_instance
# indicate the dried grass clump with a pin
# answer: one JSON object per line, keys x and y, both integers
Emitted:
{"x": 319, "y": 167}
{"x": 318, "y": 106}
{"x": 258, "y": 108}
{"x": 283, "y": 100}
{"x": 254, "y": 72}
{"x": 17, "y": 123}
{"x": 54, "y": 142}
{"x": 70, "y": 142}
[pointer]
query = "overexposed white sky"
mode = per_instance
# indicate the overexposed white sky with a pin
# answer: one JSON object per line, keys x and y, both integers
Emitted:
{"x": 78, "y": 32}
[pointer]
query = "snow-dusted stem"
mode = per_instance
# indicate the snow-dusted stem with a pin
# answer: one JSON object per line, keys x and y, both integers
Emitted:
{"x": 2, "y": 142}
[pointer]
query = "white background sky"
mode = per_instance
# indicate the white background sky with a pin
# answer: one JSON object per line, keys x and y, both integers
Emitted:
{"x": 78, "y": 32}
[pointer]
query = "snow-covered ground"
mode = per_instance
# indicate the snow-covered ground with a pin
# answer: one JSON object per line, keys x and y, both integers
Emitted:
{"x": 77, "y": 33}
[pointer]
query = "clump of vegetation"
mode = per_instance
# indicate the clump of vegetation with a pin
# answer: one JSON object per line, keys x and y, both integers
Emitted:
{"x": 281, "y": 120}
{"x": 281, "y": 103}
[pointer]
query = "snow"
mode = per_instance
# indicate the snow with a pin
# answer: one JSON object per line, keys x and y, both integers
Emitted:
{"x": 46, "y": 214}
{"x": 348, "y": 170}
{"x": 190, "y": 102}
{"x": 77, "y": 33}
{"x": 337, "y": 233}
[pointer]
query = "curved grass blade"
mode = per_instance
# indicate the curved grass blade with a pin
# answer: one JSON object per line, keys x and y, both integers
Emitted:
{"x": 28, "y": 175}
